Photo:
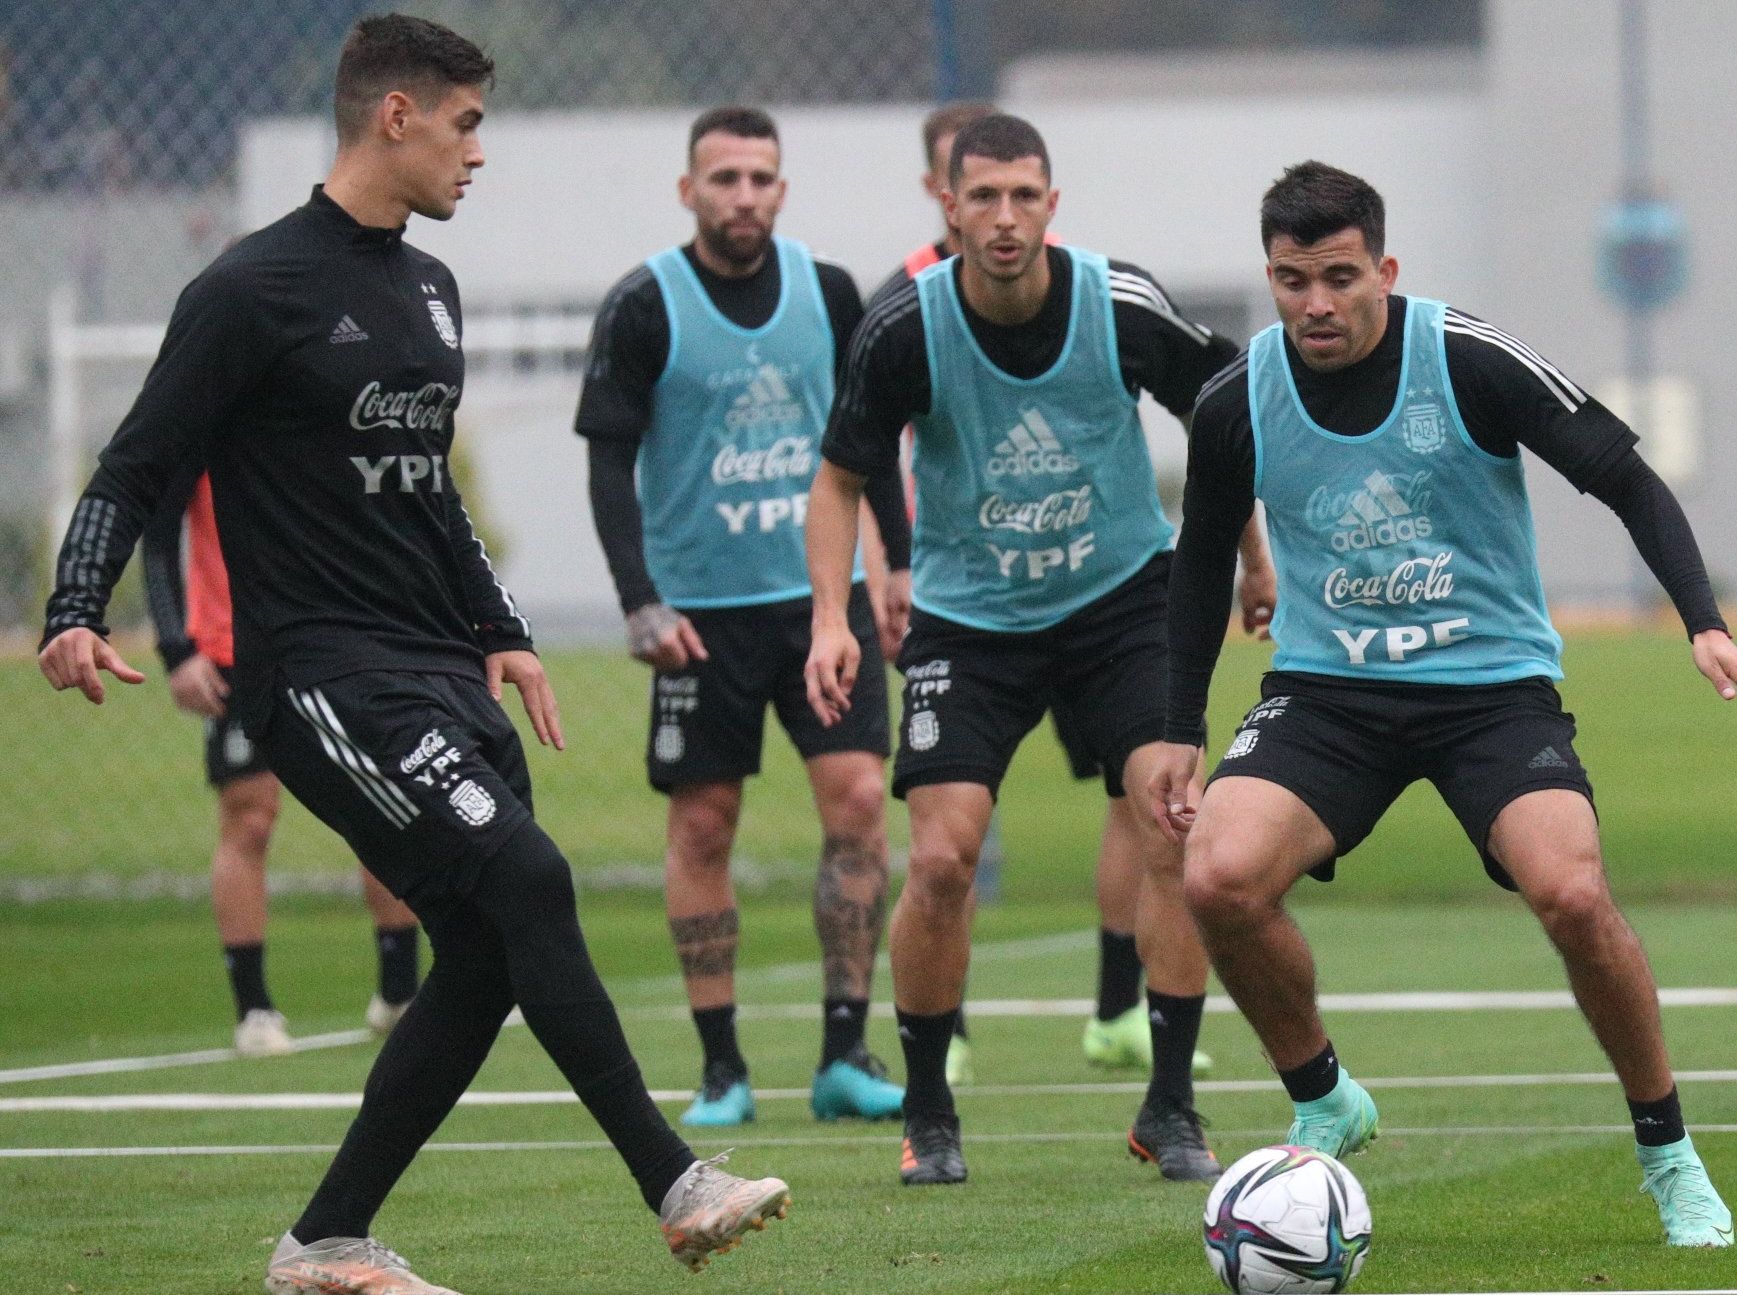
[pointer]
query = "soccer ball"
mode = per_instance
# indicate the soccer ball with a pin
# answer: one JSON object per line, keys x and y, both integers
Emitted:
{"x": 1286, "y": 1220}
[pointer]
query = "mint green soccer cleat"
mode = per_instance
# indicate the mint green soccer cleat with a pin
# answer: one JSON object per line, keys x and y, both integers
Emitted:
{"x": 1689, "y": 1207}
{"x": 1125, "y": 1043}
{"x": 1342, "y": 1122}
{"x": 724, "y": 1100}
{"x": 855, "y": 1086}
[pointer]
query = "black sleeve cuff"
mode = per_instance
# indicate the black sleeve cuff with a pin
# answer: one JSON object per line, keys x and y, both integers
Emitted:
{"x": 494, "y": 639}
{"x": 174, "y": 654}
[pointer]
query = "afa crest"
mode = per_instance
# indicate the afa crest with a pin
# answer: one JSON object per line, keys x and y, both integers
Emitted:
{"x": 1424, "y": 431}
{"x": 443, "y": 322}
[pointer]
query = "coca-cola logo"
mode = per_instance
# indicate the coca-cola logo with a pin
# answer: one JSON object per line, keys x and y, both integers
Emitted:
{"x": 1420, "y": 580}
{"x": 1060, "y": 511}
{"x": 422, "y": 410}
{"x": 432, "y": 743}
{"x": 788, "y": 456}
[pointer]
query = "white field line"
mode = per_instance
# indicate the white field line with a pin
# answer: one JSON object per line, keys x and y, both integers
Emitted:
{"x": 815, "y": 1140}
{"x": 98, "y": 1104}
{"x": 1477, "y": 1001}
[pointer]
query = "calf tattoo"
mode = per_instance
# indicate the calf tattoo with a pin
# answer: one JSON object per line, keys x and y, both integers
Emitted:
{"x": 706, "y": 942}
{"x": 850, "y": 901}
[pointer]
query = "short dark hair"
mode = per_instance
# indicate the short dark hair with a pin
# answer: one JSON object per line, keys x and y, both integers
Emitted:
{"x": 397, "y": 52}
{"x": 999, "y": 136}
{"x": 950, "y": 119}
{"x": 1312, "y": 200}
{"x": 732, "y": 119}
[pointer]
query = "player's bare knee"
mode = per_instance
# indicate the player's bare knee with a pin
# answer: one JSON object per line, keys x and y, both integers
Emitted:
{"x": 857, "y": 810}
{"x": 246, "y": 822}
{"x": 940, "y": 877}
{"x": 1575, "y": 907}
{"x": 702, "y": 829}
{"x": 1221, "y": 895}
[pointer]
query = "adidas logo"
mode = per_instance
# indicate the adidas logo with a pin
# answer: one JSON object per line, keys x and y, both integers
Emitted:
{"x": 1548, "y": 759}
{"x": 1386, "y": 510}
{"x": 348, "y": 331}
{"x": 1030, "y": 449}
{"x": 768, "y": 400}
{"x": 839, "y": 1013}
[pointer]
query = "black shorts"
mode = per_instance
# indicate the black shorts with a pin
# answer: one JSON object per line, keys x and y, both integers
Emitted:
{"x": 971, "y": 695}
{"x": 422, "y": 774}
{"x": 1347, "y": 748}
{"x": 1076, "y": 743}
{"x": 708, "y": 722}
{"x": 229, "y": 753}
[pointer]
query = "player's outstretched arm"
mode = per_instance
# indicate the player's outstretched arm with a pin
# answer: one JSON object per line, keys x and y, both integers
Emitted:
{"x": 1716, "y": 657}
{"x": 76, "y": 657}
{"x": 834, "y": 654}
{"x": 525, "y": 672}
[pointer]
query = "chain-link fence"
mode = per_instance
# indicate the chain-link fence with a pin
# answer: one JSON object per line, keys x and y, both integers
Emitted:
{"x": 123, "y": 119}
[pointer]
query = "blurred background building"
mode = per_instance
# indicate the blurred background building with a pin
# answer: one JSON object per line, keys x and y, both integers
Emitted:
{"x": 143, "y": 135}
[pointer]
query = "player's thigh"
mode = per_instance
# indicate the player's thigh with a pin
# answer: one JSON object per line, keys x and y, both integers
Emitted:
{"x": 708, "y": 720}
{"x": 1547, "y": 843}
{"x": 970, "y": 697}
{"x": 1499, "y": 744}
{"x": 1334, "y": 756}
{"x": 862, "y": 728}
{"x": 396, "y": 763}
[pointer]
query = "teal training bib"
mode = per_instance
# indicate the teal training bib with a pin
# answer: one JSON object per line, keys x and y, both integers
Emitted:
{"x": 737, "y": 416}
{"x": 1034, "y": 496}
{"x": 1406, "y": 554}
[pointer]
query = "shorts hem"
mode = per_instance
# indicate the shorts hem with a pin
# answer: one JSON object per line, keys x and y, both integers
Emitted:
{"x": 1497, "y": 873}
{"x": 902, "y": 783}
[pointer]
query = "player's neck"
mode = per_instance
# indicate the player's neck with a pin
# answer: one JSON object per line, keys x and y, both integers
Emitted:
{"x": 359, "y": 188}
{"x": 1007, "y": 301}
{"x": 725, "y": 268}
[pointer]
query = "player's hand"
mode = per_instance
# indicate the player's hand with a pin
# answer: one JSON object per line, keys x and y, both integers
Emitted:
{"x": 74, "y": 657}
{"x": 663, "y": 638}
{"x": 897, "y": 616}
{"x": 525, "y": 672}
{"x": 1173, "y": 792}
{"x": 1258, "y": 593}
{"x": 834, "y": 657}
{"x": 197, "y": 685}
{"x": 1716, "y": 657}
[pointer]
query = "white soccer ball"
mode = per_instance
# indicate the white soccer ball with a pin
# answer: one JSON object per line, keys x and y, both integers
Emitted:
{"x": 1286, "y": 1220}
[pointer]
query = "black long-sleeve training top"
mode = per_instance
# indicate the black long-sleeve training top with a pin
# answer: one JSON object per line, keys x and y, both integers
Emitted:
{"x": 1508, "y": 396}
{"x": 314, "y": 369}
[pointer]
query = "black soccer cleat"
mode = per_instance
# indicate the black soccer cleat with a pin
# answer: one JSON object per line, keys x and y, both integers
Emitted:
{"x": 932, "y": 1151}
{"x": 1168, "y": 1135}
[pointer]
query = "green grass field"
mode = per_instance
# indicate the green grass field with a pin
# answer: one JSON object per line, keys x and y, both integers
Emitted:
{"x": 1522, "y": 1181}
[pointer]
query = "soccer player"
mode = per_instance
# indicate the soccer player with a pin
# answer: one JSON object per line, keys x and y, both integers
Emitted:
{"x": 195, "y": 638}
{"x": 1039, "y": 568}
{"x": 372, "y": 639}
{"x": 1118, "y": 1033}
{"x": 1382, "y": 433}
{"x": 707, "y": 392}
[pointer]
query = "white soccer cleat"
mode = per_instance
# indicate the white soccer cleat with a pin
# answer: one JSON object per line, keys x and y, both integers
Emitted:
{"x": 381, "y": 1016}
{"x": 707, "y": 1211}
{"x": 263, "y": 1033}
{"x": 342, "y": 1266}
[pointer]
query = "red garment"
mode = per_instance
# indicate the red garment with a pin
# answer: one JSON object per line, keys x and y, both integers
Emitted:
{"x": 210, "y": 618}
